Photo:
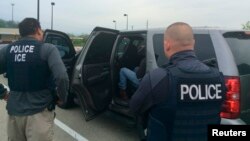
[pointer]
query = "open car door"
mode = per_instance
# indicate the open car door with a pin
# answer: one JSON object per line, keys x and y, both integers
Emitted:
{"x": 67, "y": 52}
{"x": 91, "y": 77}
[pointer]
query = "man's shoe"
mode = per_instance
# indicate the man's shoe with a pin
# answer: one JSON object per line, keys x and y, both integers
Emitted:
{"x": 123, "y": 95}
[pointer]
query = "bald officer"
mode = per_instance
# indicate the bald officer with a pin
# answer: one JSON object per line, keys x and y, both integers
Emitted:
{"x": 183, "y": 97}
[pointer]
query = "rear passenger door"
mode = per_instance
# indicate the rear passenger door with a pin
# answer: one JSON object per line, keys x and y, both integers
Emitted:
{"x": 64, "y": 46}
{"x": 91, "y": 77}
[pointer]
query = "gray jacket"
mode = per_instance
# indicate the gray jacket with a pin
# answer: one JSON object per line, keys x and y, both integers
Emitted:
{"x": 28, "y": 103}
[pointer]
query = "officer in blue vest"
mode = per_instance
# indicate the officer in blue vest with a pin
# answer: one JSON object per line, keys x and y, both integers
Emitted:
{"x": 29, "y": 64}
{"x": 183, "y": 97}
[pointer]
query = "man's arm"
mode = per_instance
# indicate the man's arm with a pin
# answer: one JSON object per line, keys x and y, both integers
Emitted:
{"x": 151, "y": 91}
{"x": 141, "y": 101}
{"x": 142, "y": 69}
{"x": 58, "y": 70}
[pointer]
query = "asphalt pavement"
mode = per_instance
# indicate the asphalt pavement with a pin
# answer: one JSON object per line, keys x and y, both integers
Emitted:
{"x": 70, "y": 125}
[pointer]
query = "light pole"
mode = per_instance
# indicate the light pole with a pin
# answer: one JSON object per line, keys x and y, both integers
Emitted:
{"x": 12, "y": 5}
{"x": 114, "y": 21}
{"x": 38, "y": 9}
{"x": 52, "y": 4}
{"x": 126, "y": 15}
{"x": 147, "y": 25}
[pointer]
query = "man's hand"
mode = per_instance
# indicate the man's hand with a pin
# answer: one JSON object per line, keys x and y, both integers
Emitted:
{"x": 3, "y": 92}
{"x": 59, "y": 102}
{"x": 6, "y": 95}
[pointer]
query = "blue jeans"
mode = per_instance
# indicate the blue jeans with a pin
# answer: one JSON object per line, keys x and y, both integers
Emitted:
{"x": 127, "y": 75}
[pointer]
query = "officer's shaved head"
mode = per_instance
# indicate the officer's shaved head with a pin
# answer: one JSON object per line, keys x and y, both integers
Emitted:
{"x": 178, "y": 37}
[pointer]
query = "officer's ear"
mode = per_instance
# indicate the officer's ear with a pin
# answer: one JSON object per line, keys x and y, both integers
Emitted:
{"x": 193, "y": 42}
{"x": 39, "y": 33}
{"x": 167, "y": 46}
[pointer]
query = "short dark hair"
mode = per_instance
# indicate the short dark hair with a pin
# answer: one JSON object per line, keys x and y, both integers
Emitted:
{"x": 28, "y": 26}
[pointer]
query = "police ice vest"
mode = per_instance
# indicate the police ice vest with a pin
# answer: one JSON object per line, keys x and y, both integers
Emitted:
{"x": 26, "y": 71}
{"x": 193, "y": 101}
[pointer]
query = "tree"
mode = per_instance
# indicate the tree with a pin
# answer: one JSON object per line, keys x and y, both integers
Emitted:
{"x": 2, "y": 23}
{"x": 246, "y": 26}
{"x": 8, "y": 24}
{"x": 78, "y": 40}
{"x": 11, "y": 24}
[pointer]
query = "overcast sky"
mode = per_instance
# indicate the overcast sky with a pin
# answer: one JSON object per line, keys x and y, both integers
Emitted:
{"x": 81, "y": 16}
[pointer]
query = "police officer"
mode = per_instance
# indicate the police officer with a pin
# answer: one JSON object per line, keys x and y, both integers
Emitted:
{"x": 183, "y": 97}
{"x": 29, "y": 64}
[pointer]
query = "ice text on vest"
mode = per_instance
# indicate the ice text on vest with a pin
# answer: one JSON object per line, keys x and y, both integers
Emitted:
{"x": 20, "y": 52}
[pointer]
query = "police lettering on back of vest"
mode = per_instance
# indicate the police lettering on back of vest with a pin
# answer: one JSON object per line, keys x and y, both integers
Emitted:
{"x": 20, "y": 52}
{"x": 200, "y": 92}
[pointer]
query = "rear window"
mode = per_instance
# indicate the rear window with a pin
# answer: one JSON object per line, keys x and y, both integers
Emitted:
{"x": 204, "y": 49}
{"x": 239, "y": 43}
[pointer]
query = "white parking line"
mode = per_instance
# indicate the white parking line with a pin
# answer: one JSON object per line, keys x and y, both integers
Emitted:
{"x": 70, "y": 131}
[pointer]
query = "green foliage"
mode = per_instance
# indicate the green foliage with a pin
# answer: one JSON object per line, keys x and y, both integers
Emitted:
{"x": 78, "y": 40}
{"x": 8, "y": 24}
{"x": 2, "y": 23}
{"x": 246, "y": 26}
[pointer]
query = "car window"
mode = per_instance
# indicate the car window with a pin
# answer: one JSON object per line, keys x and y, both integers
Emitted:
{"x": 60, "y": 43}
{"x": 239, "y": 43}
{"x": 100, "y": 49}
{"x": 127, "y": 48}
{"x": 203, "y": 47}
{"x": 122, "y": 46}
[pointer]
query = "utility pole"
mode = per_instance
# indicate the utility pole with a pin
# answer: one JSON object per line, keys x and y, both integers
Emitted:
{"x": 38, "y": 10}
{"x": 114, "y": 21}
{"x": 126, "y": 15}
{"x": 147, "y": 25}
{"x": 12, "y": 17}
{"x": 52, "y": 4}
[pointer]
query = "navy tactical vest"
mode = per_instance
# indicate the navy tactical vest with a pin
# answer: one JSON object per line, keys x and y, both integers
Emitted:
{"x": 194, "y": 100}
{"x": 26, "y": 71}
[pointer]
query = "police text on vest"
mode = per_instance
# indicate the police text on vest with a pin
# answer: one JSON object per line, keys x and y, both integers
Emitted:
{"x": 20, "y": 51}
{"x": 201, "y": 92}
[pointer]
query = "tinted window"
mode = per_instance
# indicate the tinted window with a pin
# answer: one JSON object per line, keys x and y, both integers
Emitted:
{"x": 60, "y": 43}
{"x": 100, "y": 49}
{"x": 239, "y": 43}
{"x": 122, "y": 46}
{"x": 203, "y": 47}
{"x": 158, "y": 48}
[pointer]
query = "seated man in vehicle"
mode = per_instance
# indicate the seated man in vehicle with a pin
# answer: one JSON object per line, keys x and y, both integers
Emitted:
{"x": 133, "y": 76}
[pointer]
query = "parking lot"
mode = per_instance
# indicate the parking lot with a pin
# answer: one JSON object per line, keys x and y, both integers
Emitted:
{"x": 70, "y": 125}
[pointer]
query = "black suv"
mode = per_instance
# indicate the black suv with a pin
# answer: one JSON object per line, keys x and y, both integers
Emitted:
{"x": 94, "y": 72}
